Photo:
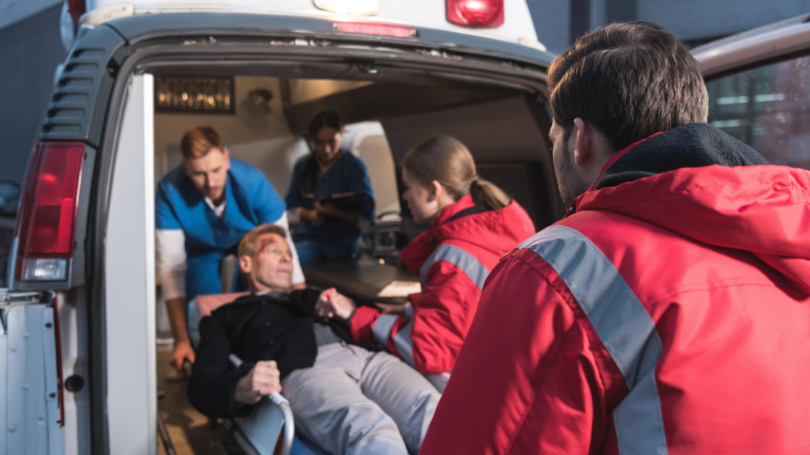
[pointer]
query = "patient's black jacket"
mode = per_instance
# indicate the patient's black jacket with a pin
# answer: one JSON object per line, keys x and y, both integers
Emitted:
{"x": 256, "y": 327}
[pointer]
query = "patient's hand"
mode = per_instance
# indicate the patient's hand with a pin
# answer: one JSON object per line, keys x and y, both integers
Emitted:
{"x": 263, "y": 379}
{"x": 333, "y": 304}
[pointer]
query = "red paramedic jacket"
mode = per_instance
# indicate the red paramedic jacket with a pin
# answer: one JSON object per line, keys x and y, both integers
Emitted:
{"x": 452, "y": 259}
{"x": 668, "y": 315}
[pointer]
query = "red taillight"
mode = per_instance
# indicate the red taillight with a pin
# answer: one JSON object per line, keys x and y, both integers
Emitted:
{"x": 374, "y": 28}
{"x": 475, "y": 13}
{"x": 46, "y": 227}
{"x": 76, "y": 8}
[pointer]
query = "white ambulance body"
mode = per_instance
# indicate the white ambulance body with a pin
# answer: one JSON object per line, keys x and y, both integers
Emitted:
{"x": 82, "y": 378}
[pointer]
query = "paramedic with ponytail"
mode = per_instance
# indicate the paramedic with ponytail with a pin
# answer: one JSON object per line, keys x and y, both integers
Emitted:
{"x": 203, "y": 208}
{"x": 473, "y": 224}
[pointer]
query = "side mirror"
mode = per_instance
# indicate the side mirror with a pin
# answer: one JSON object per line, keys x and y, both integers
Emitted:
{"x": 9, "y": 198}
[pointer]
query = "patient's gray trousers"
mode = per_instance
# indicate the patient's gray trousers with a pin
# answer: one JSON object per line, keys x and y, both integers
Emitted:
{"x": 354, "y": 401}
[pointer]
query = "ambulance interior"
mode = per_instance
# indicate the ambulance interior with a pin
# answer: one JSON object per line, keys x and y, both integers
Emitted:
{"x": 264, "y": 122}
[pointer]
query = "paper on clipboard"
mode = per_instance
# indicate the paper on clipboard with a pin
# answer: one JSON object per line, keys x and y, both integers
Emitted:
{"x": 401, "y": 289}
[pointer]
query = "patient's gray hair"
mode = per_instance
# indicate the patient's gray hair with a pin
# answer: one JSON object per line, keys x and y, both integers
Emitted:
{"x": 248, "y": 244}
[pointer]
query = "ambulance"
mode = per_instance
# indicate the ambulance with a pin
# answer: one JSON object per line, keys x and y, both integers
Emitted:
{"x": 80, "y": 320}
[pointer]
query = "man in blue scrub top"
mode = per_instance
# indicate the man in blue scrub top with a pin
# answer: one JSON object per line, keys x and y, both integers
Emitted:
{"x": 203, "y": 209}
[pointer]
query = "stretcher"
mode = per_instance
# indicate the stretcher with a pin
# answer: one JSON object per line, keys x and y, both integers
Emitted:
{"x": 262, "y": 428}
{"x": 271, "y": 425}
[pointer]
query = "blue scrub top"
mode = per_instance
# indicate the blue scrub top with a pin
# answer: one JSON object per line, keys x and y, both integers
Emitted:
{"x": 347, "y": 174}
{"x": 250, "y": 201}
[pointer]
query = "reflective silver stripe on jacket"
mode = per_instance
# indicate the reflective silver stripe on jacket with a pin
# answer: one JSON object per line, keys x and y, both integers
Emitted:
{"x": 465, "y": 261}
{"x": 404, "y": 343}
{"x": 383, "y": 327}
{"x": 402, "y": 340}
{"x": 623, "y": 326}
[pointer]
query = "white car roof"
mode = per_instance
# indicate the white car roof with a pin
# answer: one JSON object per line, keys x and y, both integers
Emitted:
{"x": 517, "y": 27}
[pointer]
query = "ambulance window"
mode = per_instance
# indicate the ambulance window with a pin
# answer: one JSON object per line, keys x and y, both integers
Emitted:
{"x": 768, "y": 108}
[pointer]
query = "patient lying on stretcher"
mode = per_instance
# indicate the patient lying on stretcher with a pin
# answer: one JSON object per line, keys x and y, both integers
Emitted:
{"x": 345, "y": 397}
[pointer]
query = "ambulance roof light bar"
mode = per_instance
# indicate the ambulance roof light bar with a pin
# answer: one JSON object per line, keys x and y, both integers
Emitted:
{"x": 375, "y": 28}
{"x": 475, "y": 13}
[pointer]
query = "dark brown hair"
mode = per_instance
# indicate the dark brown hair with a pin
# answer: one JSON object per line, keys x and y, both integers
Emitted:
{"x": 247, "y": 246}
{"x": 321, "y": 120}
{"x": 629, "y": 80}
{"x": 198, "y": 141}
{"x": 446, "y": 160}
{"x": 324, "y": 119}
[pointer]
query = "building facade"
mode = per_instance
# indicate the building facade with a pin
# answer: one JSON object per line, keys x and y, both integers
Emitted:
{"x": 693, "y": 21}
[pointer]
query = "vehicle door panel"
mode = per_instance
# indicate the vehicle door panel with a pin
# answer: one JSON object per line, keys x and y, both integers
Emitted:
{"x": 130, "y": 280}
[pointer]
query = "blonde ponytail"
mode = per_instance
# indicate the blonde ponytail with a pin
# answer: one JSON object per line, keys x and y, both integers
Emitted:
{"x": 446, "y": 160}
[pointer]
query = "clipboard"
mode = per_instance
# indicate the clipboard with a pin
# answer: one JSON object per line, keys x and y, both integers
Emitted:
{"x": 348, "y": 202}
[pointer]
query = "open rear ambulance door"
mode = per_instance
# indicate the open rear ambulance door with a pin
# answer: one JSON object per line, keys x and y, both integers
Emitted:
{"x": 129, "y": 273}
{"x": 759, "y": 89}
{"x": 75, "y": 231}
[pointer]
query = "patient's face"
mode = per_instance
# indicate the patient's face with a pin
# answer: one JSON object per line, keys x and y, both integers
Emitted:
{"x": 327, "y": 143}
{"x": 270, "y": 268}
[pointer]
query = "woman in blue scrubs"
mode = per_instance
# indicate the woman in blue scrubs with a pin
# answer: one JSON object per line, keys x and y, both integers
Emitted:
{"x": 329, "y": 230}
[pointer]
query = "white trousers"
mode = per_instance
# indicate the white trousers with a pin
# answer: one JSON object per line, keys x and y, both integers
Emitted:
{"x": 354, "y": 401}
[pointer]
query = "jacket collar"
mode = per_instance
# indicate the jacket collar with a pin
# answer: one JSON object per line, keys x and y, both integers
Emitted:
{"x": 575, "y": 203}
{"x": 451, "y": 210}
{"x": 271, "y": 296}
{"x": 689, "y": 146}
{"x": 496, "y": 231}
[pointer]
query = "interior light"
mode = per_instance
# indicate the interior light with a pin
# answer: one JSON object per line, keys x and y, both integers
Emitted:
{"x": 194, "y": 94}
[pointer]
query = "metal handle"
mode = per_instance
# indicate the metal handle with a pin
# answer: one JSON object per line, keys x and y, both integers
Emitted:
{"x": 284, "y": 406}
{"x": 289, "y": 421}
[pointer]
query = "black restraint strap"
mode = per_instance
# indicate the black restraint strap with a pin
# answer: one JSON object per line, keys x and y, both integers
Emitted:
{"x": 470, "y": 211}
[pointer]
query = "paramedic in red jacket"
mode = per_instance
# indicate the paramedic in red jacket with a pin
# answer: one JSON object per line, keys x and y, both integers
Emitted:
{"x": 669, "y": 312}
{"x": 473, "y": 224}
